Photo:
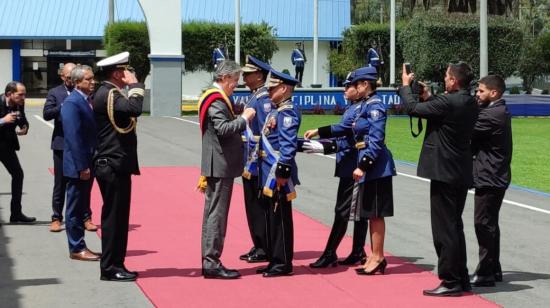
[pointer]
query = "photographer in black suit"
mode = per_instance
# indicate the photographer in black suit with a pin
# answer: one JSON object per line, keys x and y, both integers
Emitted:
{"x": 446, "y": 160}
{"x": 492, "y": 148}
{"x": 12, "y": 115}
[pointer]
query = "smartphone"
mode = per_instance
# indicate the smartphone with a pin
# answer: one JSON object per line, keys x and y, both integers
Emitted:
{"x": 408, "y": 68}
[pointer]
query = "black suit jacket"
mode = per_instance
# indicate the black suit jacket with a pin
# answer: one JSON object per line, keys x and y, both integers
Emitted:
{"x": 446, "y": 153}
{"x": 119, "y": 149}
{"x": 52, "y": 111}
{"x": 492, "y": 146}
{"x": 8, "y": 137}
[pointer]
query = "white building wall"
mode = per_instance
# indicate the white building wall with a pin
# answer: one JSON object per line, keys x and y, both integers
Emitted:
{"x": 194, "y": 83}
{"x": 6, "y": 71}
{"x": 281, "y": 61}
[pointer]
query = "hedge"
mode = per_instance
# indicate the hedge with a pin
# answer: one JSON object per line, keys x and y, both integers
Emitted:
{"x": 431, "y": 40}
{"x": 133, "y": 37}
{"x": 198, "y": 41}
{"x": 356, "y": 41}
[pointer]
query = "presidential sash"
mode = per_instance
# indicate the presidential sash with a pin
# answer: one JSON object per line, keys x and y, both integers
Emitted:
{"x": 206, "y": 99}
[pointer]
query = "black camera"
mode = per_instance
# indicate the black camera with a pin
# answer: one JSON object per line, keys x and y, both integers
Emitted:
{"x": 416, "y": 87}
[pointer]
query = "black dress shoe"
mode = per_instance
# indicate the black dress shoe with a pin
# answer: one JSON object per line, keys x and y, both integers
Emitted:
{"x": 245, "y": 256}
{"x": 277, "y": 273}
{"x": 254, "y": 258}
{"x": 482, "y": 281}
{"x": 220, "y": 273}
{"x": 22, "y": 218}
{"x": 466, "y": 286}
{"x": 325, "y": 261}
{"x": 354, "y": 258}
{"x": 443, "y": 290}
{"x": 498, "y": 276}
{"x": 118, "y": 275}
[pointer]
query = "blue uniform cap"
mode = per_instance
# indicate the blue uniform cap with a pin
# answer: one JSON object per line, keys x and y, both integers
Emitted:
{"x": 364, "y": 73}
{"x": 254, "y": 65}
{"x": 278, "y": 78}
{"x": 349, "y": 78}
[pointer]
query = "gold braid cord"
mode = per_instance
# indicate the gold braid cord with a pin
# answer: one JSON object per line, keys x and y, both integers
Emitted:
{"x": 111, "y": 113}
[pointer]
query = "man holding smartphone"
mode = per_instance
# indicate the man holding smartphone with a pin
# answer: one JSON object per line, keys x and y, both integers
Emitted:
{"x": 446, "y": 159}
{"x": 13, "y": 123}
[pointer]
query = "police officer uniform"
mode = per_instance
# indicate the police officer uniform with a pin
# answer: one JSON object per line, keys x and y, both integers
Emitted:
{"x": 375, "y": 197}
{"x": 115, "y": 161}
{"x": 346, "y": 162}
{"x": 218, "y": 55}
{"x": 255, "y": 214}
{"x": 299, "y": 59}
{"x": 279, "y": 146}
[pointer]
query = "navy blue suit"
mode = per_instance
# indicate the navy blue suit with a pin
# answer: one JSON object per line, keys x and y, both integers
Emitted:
{"x": 79, "y": 146}
{"x": 52, "y": 111}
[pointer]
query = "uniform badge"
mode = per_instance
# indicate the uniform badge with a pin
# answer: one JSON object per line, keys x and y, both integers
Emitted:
{"x": 267, "y": 107}
{"x": 287, "y": 122}
{"x": 375, "y": 114}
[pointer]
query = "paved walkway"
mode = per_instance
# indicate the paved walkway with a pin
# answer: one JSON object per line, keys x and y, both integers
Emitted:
{"x": 35, "y": 269}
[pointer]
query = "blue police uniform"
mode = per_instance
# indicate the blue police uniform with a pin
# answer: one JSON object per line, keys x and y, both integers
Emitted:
{"x": 375, "y": 159}
{"x": 279, "y": 147}
{"x": 218, "y": 55}
{"x": 346, "y": 162}
{"x": 298, "y": 59}
{"x": 255, "y": 212}
{"x": 373, "y": 59}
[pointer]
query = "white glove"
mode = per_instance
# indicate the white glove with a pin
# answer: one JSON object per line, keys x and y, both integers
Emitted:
{"x": 312, "y": 146}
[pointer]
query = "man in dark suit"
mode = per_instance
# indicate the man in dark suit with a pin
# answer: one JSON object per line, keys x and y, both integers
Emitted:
{"x": 52, "y": 111}
{"x": 492, "y": 148}
{"x": 222, "y": 161}
{"x": 446, "y": 160}
{"x": 80, "y": 142}
{"x": 116, "y": 160}
{"x": 12, "y": 115}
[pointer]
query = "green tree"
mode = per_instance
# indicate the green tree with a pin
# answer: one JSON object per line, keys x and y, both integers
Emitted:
{"x": 132, "y": 37}
{"x": 431, "y": 40}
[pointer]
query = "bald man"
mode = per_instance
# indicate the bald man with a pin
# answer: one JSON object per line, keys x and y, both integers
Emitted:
{"x": 52, "y": 111}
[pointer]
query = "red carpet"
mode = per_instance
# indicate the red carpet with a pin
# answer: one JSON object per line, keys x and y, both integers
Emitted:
{"x": 164, "y": 246}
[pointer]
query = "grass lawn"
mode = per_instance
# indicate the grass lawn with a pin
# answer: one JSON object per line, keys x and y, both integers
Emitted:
{"x": 530, "y": 161}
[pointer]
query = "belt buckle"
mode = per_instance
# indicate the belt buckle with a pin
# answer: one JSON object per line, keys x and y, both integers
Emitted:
{"x": 102, "y": 162}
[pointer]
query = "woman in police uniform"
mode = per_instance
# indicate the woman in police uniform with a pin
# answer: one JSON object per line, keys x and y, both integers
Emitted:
{"x": 374, "y": 171}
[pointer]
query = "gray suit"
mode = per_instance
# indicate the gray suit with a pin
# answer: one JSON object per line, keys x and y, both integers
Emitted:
{"x": 221, "y": 162}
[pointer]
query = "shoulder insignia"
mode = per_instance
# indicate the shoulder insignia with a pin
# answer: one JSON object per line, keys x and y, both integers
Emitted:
{"x": 285, "y": 107}
{"x": 287, "y": 122}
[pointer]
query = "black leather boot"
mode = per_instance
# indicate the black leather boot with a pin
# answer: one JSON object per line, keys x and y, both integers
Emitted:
{"x": 329, "y": 256}
{"x": 357, "y": 254}
{"x": 326, "y": 260}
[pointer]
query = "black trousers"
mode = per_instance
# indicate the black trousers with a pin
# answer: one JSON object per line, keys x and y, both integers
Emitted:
{"x": 447, "y": 204}
{"x": 60, "y": 189}
{"x": 11, "y": 162}
{"x": 341, "y": 219}
{"x": 487, "y": 206}
{"x": 299, "y": 73}
{"x": 280, "y": 234}
{"x": 255, "y": 215}
{"x": 116, "y": 189}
